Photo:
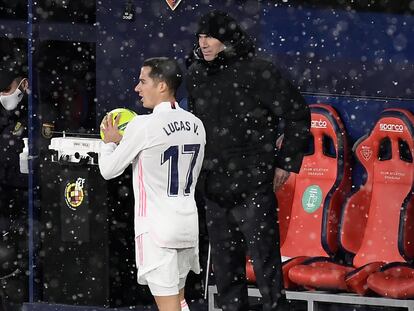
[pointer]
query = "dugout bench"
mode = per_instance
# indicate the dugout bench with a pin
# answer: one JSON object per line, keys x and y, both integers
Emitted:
{"x": 385, "y": 201}
{"x": 313, "y": 298}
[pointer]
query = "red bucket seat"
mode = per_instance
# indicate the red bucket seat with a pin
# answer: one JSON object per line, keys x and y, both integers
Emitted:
{"x": 376, "y": 224}
{"x": 310, "y": 201}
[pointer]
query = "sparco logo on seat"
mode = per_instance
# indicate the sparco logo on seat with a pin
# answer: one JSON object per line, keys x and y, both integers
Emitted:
{"x": 389, "y": 127}
{"x": 319, "y": 124}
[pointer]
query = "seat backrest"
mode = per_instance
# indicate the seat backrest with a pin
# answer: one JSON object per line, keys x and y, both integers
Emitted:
{"x": 355, "y": 212}
{"x": 310, "y": 201}
{"x": 376, "y": 224}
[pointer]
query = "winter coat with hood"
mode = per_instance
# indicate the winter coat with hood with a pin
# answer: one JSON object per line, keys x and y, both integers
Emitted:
{"x": 240, "y": 99}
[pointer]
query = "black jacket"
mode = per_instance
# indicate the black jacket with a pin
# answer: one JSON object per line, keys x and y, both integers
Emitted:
{"x": 240, "y": 99}
{"x": 13, "y": 127}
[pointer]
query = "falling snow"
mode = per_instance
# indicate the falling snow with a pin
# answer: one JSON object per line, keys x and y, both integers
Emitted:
{"x": 84, "y": 61}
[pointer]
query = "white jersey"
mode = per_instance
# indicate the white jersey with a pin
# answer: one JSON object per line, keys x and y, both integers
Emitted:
{"x": 166, "y": 149}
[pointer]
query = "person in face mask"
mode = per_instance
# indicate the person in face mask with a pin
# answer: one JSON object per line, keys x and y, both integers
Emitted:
{"x": 13, "y": 186}
{"x": 13, "y": 93}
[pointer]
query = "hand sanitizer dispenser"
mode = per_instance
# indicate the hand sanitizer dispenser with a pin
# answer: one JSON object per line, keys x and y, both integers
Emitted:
{"x": 24, "y": 158}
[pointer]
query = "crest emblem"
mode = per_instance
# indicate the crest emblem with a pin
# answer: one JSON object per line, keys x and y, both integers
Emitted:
{"x": 18, "y": 129}
{"x": 366, "y": 153}
{"x": 173, "y": 4}
{"x": 74, "y": 193}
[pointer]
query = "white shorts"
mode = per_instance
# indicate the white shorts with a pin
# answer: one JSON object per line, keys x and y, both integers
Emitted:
{"x": 163, "y": 269}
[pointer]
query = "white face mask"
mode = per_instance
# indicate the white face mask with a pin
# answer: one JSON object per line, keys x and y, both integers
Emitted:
{"x": 11, "y": 101}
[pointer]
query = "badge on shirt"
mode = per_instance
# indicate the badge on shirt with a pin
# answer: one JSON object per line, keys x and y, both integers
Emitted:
{"x": 18, "y": 129}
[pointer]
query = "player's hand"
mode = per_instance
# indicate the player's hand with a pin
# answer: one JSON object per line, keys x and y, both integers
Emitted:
{"x": 281, "y": 176}
{"x": 110, "y": 129}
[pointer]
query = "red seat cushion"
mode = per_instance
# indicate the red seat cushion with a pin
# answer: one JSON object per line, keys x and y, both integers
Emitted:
{"x": 323, "y": 274}
{"x": 395, "y": 282}
{"x": 356, "y": 280}
{"x": 287, "y": 265}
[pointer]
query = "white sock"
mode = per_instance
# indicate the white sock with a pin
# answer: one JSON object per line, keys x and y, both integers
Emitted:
{"x": 184, "y": 306}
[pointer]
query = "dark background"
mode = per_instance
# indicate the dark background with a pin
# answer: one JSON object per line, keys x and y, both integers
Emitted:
{"x": 356, "y": 56}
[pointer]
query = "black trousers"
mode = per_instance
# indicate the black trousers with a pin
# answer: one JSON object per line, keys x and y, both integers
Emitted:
{"x": 238, "y": 226}
{"x": 13, "y": 247}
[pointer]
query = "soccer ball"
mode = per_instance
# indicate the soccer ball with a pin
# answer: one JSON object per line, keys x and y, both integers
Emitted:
{"x": 126, "y": 116}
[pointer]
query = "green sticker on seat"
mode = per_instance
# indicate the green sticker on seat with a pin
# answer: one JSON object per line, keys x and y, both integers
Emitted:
{"x": 312, "y": 198}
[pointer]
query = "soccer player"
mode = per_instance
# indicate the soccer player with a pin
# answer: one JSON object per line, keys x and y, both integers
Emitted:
{"x": 166, "y": 149}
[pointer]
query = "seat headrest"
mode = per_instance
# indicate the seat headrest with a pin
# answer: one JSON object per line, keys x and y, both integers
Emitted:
{"x": 392, "y": 125}
{"x": 327, "y": 126}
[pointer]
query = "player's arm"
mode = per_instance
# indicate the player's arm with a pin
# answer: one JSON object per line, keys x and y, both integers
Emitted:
{"x": 114, "y": 159}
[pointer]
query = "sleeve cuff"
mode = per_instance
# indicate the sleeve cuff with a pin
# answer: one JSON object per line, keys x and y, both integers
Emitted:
{"x": 107, "y": 147}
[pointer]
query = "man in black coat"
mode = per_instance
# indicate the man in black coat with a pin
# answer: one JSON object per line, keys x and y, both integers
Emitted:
{"x": 13, "y": 184}
{"x": 240, "y": 99}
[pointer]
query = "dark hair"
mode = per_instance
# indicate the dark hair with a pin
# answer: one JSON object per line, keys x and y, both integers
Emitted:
{"x": 6, "y": 79}
{"x": 5, "y": 87}
{"x": 166, "y": 70}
